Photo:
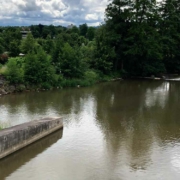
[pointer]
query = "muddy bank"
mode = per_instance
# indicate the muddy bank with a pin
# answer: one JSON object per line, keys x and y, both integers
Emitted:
{"x": 6, "y": 88}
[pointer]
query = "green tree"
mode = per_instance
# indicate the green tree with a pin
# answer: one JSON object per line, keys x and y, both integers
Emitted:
{"x": 49, "y": 44}
{"x": 28, "y": 44}
{"x": 14, "y": 48}
{"x": 91, "y": 33}
{"x": 15, "y": 72}
{"x": 144, "y": 50}
{"x": 10, "y": 34}
{"x": 35, "y": 31}
{"x": 132, "y": 29}
{"x": 169, "y": 28}
{"x": 56, "y": 53}
{"x": 118, "y": 21}
{"x": 38, "y": 69}
{"x": 104, "y": 53}
{"x": 75, "y": 29}
{"x": 6, "y": 39}
{"x": 87, "y": 53}
{"x": 83, "y": 28}
{"x": 71, "y": 65}
{"x": 82, "y": 41}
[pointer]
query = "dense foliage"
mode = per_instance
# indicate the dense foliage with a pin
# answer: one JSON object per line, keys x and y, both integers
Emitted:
{"x": 145, "y": 35}
{"x": 138, "y": 38}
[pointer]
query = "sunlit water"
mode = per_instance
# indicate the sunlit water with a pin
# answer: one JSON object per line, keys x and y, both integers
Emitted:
{"x": 128, "y": 130}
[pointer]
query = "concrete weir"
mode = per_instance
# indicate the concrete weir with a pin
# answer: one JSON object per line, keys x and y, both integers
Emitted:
{"x": 14, "y": 138}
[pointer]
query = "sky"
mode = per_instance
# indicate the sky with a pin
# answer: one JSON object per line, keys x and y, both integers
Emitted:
{"x": 56, "y": 12}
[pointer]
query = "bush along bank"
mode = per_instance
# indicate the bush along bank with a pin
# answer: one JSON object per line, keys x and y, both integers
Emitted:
{"x": 6, "y": 88}
{"x": 90, "y": 78}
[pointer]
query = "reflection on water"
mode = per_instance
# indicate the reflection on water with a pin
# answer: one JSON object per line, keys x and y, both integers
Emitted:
{"x": 157, "y": 95}
{"x": 16, "y": 160}
{"x": 112, "y": 131}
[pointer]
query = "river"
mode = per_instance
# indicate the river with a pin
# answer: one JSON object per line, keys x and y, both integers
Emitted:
{"x": 126, "y": 130}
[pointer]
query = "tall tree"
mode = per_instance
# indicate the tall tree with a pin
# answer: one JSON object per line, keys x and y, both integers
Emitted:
{"x": 56, "y": 53}
{"x": 170, "y": 32}
{"x": 91, "y": 33}
{"x": 104, "y": 53}
{"x": 118, "y": 19}
{"x": 83, "y": 28}
{"x": 71, "y": 64}
{"x": 144, "y": 46}
{"x": 28, "y": 44}
{"x": 133, "y": 32}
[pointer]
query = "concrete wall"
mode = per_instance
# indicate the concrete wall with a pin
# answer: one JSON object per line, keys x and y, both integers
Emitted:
{"x": 17, "y": 137}
{"x": 14, "y": 161}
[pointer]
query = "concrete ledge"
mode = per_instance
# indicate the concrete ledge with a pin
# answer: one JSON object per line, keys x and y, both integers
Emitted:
{"x": 14, "y": 138}
{"x": 14, "y": 161}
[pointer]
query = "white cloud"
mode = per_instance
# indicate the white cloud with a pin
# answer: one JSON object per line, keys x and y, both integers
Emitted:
{"x": 91, "y": 17}
{"x": 64, "y": 12}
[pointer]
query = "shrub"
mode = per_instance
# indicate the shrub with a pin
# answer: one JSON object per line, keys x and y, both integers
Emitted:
{"x": 91, "y": 76}
{"x": 38, "y": 69}
{"x": 14, "y": 72}
{"x": 46, "y": 85}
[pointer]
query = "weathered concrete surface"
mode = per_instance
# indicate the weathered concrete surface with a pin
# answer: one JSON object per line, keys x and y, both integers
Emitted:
{"x": 14, "y": 138}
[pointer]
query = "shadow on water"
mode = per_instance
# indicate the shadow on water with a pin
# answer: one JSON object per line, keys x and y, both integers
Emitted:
{"x": 14, "y": 161}
{"x": 135, "y": 115}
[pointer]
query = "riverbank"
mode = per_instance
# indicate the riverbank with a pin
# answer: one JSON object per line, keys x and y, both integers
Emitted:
{"x": 7, "y": 88}
{"x": 162, "y": 77}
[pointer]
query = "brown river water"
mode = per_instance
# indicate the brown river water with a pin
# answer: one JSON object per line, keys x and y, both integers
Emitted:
{"x": 127, "y": 130}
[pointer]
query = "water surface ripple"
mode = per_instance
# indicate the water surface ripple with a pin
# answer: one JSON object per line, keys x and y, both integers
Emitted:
{"x": 128, "y": 130}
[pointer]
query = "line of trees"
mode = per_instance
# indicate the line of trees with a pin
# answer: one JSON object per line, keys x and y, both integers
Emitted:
{"x": 145, "y": 36}
{"x": 138, "y": 38}
{"x": 54, "y": 55}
